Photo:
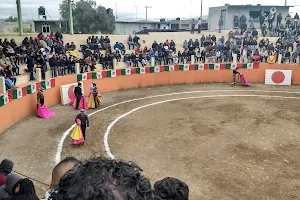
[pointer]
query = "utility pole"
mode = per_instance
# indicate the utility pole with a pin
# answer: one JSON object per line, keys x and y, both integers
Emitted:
{"x": 147, "y": 11}
{"x": 136, "y": 12}
{"x": 19, "y": 10}
{"x": 201, "y": 14}
{"x": 285, "y": 2}
{"x": 116, "y": 10}
{"x": 70, "y": 17}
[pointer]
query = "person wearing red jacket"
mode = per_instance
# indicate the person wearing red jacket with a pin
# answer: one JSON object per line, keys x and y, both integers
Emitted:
{"x": 6, "y": 167}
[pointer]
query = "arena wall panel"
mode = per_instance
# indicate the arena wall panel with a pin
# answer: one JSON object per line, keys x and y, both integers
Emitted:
{"x": 26, "y": 106}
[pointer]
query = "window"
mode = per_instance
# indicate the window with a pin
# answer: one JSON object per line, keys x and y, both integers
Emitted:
{"x": 45, "y": 28}
{"x": 256, "y": 14}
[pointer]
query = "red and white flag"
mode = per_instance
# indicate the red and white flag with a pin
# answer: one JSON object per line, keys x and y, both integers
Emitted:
{"x": 278, "y": 77}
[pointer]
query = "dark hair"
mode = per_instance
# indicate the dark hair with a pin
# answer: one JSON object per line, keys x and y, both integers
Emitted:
{"x": 171, "y": 189}
{"x": 6, "y": 166}
{"x": 27, "y": 191}
{"x": 104, "y": 179}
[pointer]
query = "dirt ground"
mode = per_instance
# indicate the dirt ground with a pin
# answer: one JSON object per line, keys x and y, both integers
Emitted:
{"x": 222, "y": 147}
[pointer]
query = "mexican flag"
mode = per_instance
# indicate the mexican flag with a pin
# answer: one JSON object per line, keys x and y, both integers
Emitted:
{"x": 17, "y": 93}
{"x": 217, "y": 66}
{"x": 192, "y": 67}
{"x": 4, "y": 99}
{"x": 82, "y": 77}
{"x": 249, "y": 66}
{"x": 125, "y": 71}
{"x": 244, "y": 66}
{"x": 156, "y": 69}
{"x": 167, "y": 68}
{"x": 225, "y": 66}
{"x": 48, "y": 84}
{"x": 211, "y": 66}
{"x": 201, "y": 66}
{"x": 184, "y": 67}
{"x": 111, "y": 73}
{"x": 31, "y": 88}
{"x": 140, "y": 70}
{"x": 93, "y": 75}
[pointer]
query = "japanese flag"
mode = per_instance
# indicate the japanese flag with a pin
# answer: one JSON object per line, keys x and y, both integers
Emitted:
{"x": 278, "y": 77}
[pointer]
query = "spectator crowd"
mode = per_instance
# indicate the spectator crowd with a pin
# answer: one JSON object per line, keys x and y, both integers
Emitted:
{"x": 96, "y": 178}
{"x": 50, "y": 52}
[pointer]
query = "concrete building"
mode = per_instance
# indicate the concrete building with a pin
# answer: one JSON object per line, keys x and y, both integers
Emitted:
{"x": 186, "y": 24}
{"x": 251, "y": 12}
{"x": 130, "y": 27}
{"x": 46, "y": 26}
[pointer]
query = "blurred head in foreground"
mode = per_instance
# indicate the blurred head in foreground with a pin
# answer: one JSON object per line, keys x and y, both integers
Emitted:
{"x": 104, "y": 179}
{"x": 171, "y": 189}
{"x": 61, "y": 169}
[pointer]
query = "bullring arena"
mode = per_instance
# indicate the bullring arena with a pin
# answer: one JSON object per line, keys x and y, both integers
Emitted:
{"x": 224, "y": 142}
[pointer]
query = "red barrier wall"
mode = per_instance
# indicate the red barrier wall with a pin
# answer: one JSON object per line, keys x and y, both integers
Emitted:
{"x": 26, "y": 106}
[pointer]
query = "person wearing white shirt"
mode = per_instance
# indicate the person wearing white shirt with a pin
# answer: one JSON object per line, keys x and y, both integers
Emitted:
{"x": 199, "y": 26}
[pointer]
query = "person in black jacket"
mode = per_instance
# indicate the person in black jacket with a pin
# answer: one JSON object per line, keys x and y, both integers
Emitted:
{"x": 53, "y": 62}
{"x": 84, "y": 121}
{"x": 234, "y": 73}
{"x": 30, "y": 67}
{"x": 78, "y": 94}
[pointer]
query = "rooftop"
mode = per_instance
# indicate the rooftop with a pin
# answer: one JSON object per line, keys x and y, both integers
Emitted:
{"x": 257, "y": 5}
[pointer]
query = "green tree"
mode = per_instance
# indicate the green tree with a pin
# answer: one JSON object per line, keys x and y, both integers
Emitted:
{"x": 87, "y": 17}
{"x": 11, "y": 19}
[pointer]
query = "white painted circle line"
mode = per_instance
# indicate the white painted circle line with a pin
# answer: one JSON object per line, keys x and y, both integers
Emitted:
{"x": 106, "y": 144}
{"x": 64, "y": 136}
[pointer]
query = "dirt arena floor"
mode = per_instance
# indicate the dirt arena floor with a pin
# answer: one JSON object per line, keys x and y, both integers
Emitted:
{"x": 224, "y": 142}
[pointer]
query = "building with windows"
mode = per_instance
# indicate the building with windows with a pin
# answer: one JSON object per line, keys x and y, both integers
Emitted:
{"x": 251, "y": 12}
{"x": 46, "y": 26}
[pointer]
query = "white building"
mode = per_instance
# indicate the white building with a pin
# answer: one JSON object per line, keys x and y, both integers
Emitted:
{"x": 251, "y": 12}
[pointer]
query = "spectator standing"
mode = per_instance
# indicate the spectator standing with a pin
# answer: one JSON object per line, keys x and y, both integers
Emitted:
{"x": 199, "y": 25}
{"x": 53, "y": 62}
{"x": 193, "y": 26}
{"x": 30, "y": 67}
{"x": 296, "y": 19}
{"x": 130, "y": 42}
{"x": 220, "y": 24}
{"x": 136, "y": 41}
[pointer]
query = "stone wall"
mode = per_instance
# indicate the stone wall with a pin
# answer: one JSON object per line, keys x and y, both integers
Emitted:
{"x": 10, "y": 27}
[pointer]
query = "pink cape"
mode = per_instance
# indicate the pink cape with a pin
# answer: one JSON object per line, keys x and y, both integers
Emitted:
{"x": 83, "y": 104}
{"x": 44, "y": 112}
{"x": 72, "y": 100}
{"x": 244, "y": 80}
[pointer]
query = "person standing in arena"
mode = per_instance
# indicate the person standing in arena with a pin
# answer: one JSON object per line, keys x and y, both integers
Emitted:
{"x": 234, "y": 73}
{"x": 78, "y": 94}
{"x": 84, "y": 119}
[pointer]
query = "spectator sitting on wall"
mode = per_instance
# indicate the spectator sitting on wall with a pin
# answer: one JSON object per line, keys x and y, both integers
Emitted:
{"x": 130, "y": 42}
{"x": 107, "y": 40}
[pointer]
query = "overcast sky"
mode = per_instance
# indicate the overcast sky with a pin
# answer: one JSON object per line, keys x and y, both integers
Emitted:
{"x": 126, "y": 10}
